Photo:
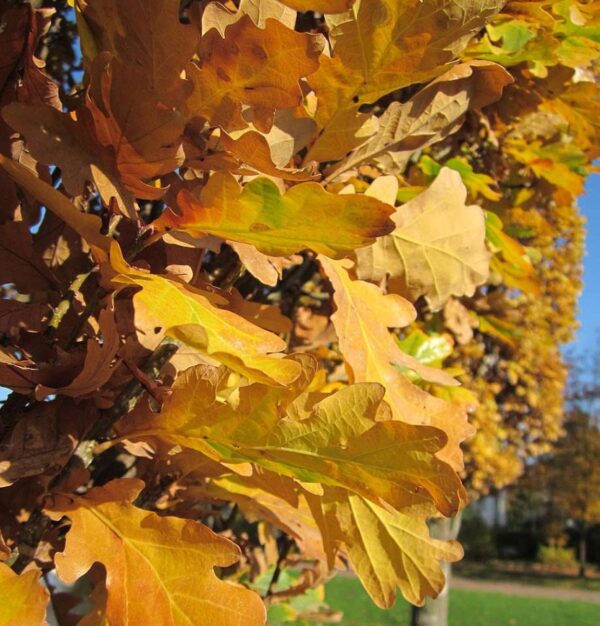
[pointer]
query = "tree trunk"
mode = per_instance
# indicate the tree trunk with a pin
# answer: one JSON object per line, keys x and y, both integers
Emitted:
{"x": 435, "y": 611}
{"x": 583, "y": 551}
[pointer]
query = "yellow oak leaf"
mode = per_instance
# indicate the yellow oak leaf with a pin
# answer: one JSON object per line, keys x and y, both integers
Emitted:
{"x": 250, "y": 66}
{"x": 280, "y": 224}
{"x": 432, "y": 114}
{"x": 24, "y": 600}
{"x": 382, "y": 46}
{"x": 363, "y": 315}
{"x": 159, "y": 570}
{"x": 164, "y": 305}
{"x": 320, "y": 6}
{"x": 345, "y": 439}
{"x": 438, "y": 247}
{"x": 268, "y": 496}
{"x": 387, "y": 550}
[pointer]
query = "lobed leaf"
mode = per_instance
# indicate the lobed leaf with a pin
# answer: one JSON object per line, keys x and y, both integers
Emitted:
{"x": 24, "y": 600}
{"x": 438, "y": 247}
{"x": 362, "y": 317}
{"x": 388, "y": 550}
{"x": 167, "y": 561}
{"x": 340, "y": 440}
{"x": 250, "y": 66}
{"x": 379, "y": 47}
{"x": 280, "y": 224}
{"x": 167, "y": 306}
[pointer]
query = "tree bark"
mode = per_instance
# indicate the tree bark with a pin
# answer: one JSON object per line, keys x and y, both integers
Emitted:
{"x": 435, "y": 610}
{"x": 583, "y": 551}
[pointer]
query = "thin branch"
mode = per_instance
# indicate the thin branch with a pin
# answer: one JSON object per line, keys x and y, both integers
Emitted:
{"x": 36, "y": 526}
{"x": 64, "y": 305}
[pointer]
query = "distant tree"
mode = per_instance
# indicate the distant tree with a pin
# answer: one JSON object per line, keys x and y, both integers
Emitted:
{"x": 570, "y": 475}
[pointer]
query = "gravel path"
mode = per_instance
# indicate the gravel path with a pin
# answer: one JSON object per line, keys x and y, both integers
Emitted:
{"x": 532, "y": 591}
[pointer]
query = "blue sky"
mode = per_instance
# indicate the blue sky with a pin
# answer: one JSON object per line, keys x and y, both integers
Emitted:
{"x": 588, "y": 336}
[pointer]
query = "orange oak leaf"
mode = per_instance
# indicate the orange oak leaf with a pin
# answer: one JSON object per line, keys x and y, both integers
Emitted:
{"x": 18, "y": 263}
{"x": 268, "y": 269}
{"x": 147, "y": 35}
{"x": 250, "y": 66}
{"x": 159, "y": 569}
{"x": 24, "y": 600}
{"x": 43, "y": 439}
{"x": 253, "y": 151}
{"x": 98, "y": 365}
{"x": 280, "y": 224}
{"x": 122, "y": 136}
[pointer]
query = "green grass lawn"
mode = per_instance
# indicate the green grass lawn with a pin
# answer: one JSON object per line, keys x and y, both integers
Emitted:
{"x": 467, "y": 608}
{"x": 497, "y": 571}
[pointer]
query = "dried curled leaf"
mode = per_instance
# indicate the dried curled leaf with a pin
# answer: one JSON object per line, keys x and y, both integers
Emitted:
{"x": 166, "y": 560}
{"x": 88, "y": 226}
{"x": 435, "y": 112}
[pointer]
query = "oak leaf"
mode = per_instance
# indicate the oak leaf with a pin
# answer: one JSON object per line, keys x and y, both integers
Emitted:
{"x": 18, "y": 263}
{"x": 387, "y": 550}
{"x": 167, "y": 561}
{"x": 280, "y": 224}
{"x": 268, "y": 269}
{"x": 15, "y": 315}
{"x": 121, "y": 136}
{"x": 320, "y": 6}
{"x": 435, "y": 112}
{"x": 148, "y": 35}
{"x": 381, "y": 47}
{"x": 168, "y": 306}
{"x": 250, "y": 66}
{"x": 253, "y": 151}
{"x": 268, "y": 496}
{"x": 88, "y": 226}
{"x": 363, "y": 315}
{"x": 98, "y": 366}
{"x": 342, "y": 440}
{"x": 24, "y": 599}
{"x": 43, "y": 439}
{"x": 438, "y": 247}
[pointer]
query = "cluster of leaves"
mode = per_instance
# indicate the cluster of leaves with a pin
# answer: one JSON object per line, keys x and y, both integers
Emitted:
{"x": 204, "y": 248}
{"x": 525, "y": 163}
